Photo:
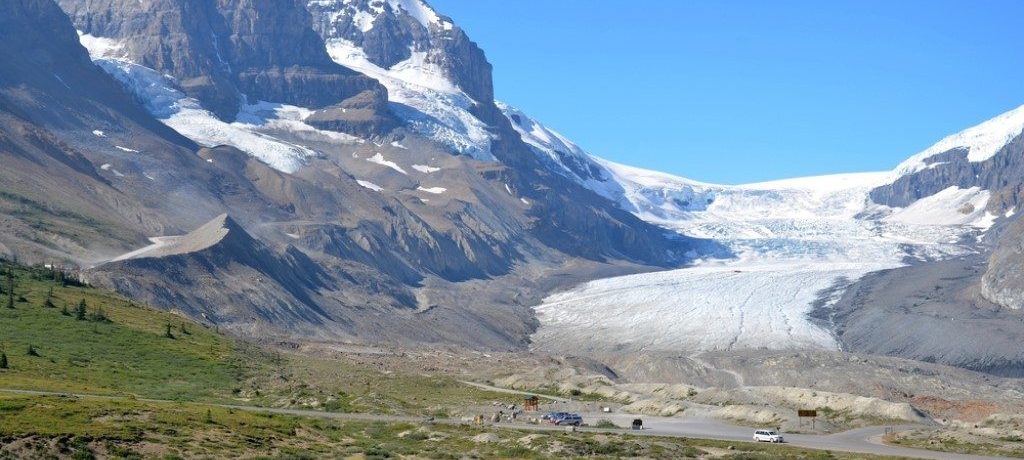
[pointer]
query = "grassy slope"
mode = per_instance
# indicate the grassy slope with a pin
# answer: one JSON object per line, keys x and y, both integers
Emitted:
{"x": 953, "y": 441}
{"x": 128, "y": 354}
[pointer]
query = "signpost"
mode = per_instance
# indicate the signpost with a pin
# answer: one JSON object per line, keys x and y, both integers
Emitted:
{"x": 807, "y": 413}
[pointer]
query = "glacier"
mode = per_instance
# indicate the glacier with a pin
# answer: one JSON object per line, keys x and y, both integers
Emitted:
{"x": 796, "y": 244}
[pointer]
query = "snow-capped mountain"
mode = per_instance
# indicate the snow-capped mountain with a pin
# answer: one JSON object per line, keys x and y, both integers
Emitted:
{"x": 434, "y": 74}
{"x": 980, "y": 143}
{"x": 359, "y": 141}
{"x": 375, "y": 162}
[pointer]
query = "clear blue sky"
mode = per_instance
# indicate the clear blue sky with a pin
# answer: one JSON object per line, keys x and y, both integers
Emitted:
{"x": 732, "y": 92}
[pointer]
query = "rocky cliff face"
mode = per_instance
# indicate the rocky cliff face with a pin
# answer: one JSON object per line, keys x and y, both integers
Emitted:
{"x": 1001, "y": 174}
{"x": 1003, "y": 281}
{"x": 227, "y": 52}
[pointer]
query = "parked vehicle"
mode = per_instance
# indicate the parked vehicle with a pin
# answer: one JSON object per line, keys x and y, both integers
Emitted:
{"x": 767, "y": 436}
{"x": 569, "y": 419}
{"x": 551, "y": 416}
{"x": 638, "y": 424}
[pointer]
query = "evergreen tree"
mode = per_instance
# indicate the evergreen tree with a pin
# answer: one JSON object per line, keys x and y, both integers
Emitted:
{"x": 64, "y": 311}
{"x": 3, "y": 360}
{"x": 167, "y": 333}
{"x": 32, "y": 351}
{"x": 80, "y": 310}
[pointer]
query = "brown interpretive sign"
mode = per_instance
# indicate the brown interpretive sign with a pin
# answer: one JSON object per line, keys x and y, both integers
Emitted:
{"x": 807, "y": 413}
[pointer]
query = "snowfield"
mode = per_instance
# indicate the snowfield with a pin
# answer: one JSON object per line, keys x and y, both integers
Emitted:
{"x": 420, "y": 94}
{"x": 250, "y": 133}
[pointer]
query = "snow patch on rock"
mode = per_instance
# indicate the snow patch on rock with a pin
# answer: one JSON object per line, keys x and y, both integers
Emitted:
{"x": 370, "y": 185}
{"x": 425, "y": 169}
{"x": 952, "y": 206}
{"x": 434, "y": 190}
{"x": 102, "y": 47}
{"x": 378, "y": 158}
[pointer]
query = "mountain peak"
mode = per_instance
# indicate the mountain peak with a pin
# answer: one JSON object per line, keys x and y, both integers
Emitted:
{"x": 981, "y": 141}
{"x": 407, "y": 36}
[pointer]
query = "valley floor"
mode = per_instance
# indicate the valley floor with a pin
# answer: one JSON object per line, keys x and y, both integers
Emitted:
{"x": 127, "y": 428}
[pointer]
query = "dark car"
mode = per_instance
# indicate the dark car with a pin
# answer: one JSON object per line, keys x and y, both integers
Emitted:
{"x": 569, "y": 419}
{"x": 551, "y": 416}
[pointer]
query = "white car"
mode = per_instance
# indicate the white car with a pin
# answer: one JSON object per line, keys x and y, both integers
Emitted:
{"x": 767, "y": 436}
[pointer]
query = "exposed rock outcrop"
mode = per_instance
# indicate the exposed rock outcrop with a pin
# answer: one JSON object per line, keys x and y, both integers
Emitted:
{"x": 364, "y": 114}
{"x": 1002, "y": 174}
{"x": 1003, "y": 281}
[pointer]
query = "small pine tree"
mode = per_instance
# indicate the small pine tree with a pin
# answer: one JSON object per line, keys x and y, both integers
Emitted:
{"x": 167, "y": 333}
{"x": 184, "y": 330}
{"x": 32, "y": 351}
{"x": 3, "y": 360}
{"x": 80, "y": 311}
{"x": 209, "y": 416}
{"x": 64, "y": 311}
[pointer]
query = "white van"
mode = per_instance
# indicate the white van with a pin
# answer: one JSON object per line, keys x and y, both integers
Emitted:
{"x": 767, "y": 436}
